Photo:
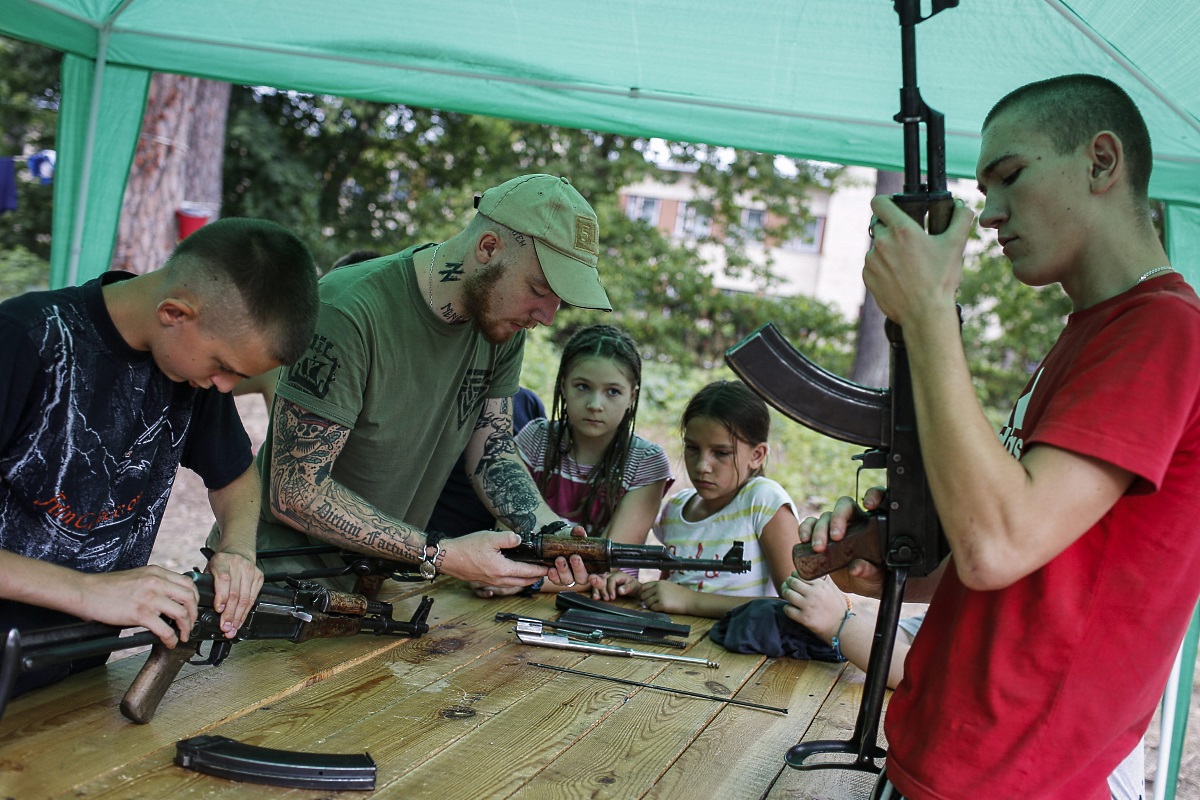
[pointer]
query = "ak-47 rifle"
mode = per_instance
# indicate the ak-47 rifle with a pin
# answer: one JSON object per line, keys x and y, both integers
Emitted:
{"x": 603, "y": 555}
{"x": 904, "y": 536}
{"x": 536, "y": 547}
{"x": 297, "y": 612}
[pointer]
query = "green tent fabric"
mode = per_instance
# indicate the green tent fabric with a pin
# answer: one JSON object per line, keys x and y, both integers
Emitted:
{"x": 90, "y": 181}
{"x": 808, "y": 78}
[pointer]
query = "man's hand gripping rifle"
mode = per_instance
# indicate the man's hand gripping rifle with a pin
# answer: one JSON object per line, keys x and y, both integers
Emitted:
{"x": 297, "y": 612}
{"x": 537, "y": 547}
{"x": 603, "y": 555}
{"x": 904, "y": 536}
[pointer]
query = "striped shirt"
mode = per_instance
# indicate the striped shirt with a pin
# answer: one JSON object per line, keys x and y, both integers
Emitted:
{"x": 645, "y": 464}
{"x": 742, "y": 520}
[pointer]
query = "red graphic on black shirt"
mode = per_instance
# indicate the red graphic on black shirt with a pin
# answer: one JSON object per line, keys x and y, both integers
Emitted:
{"x": 59, "y": 509}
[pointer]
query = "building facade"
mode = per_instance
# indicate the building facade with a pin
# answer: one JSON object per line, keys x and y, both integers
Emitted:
{"x": 825, "y": 263}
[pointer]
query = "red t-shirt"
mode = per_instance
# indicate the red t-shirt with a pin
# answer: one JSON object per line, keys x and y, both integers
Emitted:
{"x": 1040, "y": 689}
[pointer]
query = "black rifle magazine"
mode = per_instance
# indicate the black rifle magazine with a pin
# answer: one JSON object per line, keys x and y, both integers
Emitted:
{"x": 651, "y": 622}
{"x": 228, "y": 758}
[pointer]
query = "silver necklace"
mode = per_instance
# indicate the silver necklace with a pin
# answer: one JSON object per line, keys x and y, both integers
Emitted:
{"x": 1150, "y": 272}
{"x": 432, "y": 261}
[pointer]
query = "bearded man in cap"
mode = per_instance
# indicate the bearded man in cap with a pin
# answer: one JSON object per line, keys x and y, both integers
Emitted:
{"x": 415, "y": 361}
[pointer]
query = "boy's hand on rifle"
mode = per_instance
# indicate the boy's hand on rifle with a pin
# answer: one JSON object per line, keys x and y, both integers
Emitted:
{"x": 614, "y": 585}
{"x": 142, "y": 596}
{"x": 859, "y": 576}
{"x": 236, "y": 584}
{"x": 910, "y": 273}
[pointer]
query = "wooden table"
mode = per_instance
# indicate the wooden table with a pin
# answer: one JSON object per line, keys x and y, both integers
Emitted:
{"x": 457, "y": 713}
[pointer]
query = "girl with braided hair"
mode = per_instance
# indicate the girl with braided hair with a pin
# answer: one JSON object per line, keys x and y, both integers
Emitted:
{"x": 588, "y": 463}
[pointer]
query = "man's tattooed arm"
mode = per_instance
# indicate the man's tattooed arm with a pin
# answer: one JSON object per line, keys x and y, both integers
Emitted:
{"x": 500, "y": 475}
{"x": 303, "y": 495}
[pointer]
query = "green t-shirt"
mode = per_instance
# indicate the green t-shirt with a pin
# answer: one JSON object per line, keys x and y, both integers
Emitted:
{"x": 409, "y": 387}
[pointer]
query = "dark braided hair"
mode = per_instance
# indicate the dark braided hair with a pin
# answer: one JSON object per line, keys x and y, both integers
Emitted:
{"x": 605, "y": 481}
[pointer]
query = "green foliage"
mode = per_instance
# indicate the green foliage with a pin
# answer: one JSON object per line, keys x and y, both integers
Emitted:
{"x": 1008, "y": 328}
{"x": 664, "y": 297}
{"x": 382, "y": 176}
{"x": 29, "y": 99}
{"x": 379, "y": 176}
{"x": 21, "y": 271}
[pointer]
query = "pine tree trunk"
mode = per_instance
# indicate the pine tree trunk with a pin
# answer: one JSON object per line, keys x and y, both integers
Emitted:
{"x": 177, "y": 163}
{"x": 871, "y": 359}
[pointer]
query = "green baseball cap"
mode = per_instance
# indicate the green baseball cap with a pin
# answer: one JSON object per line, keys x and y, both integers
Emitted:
{"x": 565, "y": 232}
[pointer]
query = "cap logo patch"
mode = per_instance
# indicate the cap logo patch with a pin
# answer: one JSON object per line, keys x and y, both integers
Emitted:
{"x": 586, "y": 235}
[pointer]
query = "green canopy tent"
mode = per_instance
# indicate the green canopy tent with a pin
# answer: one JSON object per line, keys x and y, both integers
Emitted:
{"x": 807, "y": 78}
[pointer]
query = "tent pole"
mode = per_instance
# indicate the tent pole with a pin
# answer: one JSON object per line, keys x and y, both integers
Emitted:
{"x": 89, "y": 143}
{"x": 89, "y": 147}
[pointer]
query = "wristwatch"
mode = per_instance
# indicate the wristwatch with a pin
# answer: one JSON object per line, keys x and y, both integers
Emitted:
{"x": 428, "y": 566}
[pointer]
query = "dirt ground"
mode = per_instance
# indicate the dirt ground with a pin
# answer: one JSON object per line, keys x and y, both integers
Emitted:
{"x": 188, "y": 519}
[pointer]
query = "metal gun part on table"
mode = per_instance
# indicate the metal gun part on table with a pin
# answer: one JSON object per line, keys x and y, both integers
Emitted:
{"x": 532, "y": 633}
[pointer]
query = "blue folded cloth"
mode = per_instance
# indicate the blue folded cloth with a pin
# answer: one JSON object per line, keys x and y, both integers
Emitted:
{"x": 760, "y": 626}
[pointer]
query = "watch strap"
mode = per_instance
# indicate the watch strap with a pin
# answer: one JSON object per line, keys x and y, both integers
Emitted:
{"x": 429, "y": 563}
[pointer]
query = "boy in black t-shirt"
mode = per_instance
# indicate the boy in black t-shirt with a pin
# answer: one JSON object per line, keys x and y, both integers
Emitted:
{"x": 107, "y": 388}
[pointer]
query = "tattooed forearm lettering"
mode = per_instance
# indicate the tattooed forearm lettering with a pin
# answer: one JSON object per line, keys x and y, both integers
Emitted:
{"x": 334, "y": 520}
{"x": 304, "y": 448}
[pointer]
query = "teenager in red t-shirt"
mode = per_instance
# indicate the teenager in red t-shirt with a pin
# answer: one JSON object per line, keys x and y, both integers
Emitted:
{"x": 1072, "y": 576}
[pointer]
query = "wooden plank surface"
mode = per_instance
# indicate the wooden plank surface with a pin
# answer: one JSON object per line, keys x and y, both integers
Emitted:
{"x": 835, "y": 721}
{"x": 743, "y": 755}
{"x": 458, "y": 712}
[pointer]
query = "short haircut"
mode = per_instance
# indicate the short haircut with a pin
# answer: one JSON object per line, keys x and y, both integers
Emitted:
{"x": 512, "y": 239}
{"x": 272, "y": 271}
{"x": 1071, "y": 109}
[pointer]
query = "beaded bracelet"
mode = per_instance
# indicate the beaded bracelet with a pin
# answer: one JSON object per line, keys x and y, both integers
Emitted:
{"x": 837, "y": 637}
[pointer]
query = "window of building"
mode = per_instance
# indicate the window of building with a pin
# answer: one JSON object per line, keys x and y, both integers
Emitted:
{"x": 645, "y": 209}
{"x": 690, "y": 223}
{"x": 753, "y": 220}
{"x": 810, "y": 240}
{"x": 749, "y": 226}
